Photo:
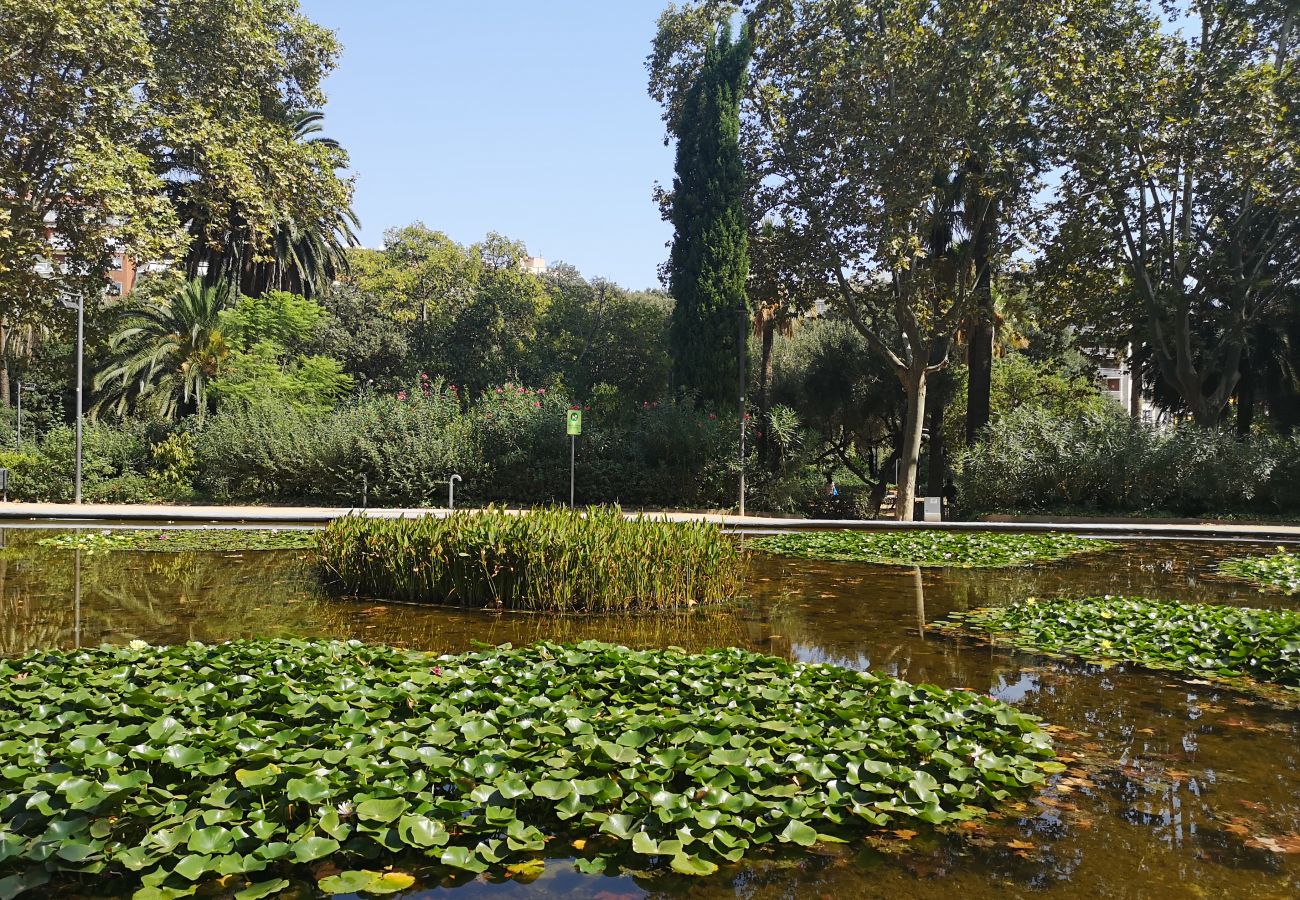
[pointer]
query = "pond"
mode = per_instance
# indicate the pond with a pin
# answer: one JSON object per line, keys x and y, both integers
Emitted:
{"x": 1175, "y": 788}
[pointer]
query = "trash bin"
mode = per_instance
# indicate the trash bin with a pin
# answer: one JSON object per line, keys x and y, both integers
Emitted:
{"x": 934, "y": 509}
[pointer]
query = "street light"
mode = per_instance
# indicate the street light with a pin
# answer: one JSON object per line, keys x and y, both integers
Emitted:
{"x": 18, "y": 439}
{"x": 742, "y": 352}
{"x": 79, "y": 304}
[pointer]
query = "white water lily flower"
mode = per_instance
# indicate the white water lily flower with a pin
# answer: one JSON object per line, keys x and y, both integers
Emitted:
{"x": 138, "y": 644}
{"x": 345, "y": 809}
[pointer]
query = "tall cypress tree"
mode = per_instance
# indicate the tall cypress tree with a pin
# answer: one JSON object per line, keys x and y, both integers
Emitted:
{"x": 710, "y": 253}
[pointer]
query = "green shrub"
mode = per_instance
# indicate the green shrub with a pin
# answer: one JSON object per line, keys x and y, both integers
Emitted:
{"x": 1198, "y": 638}
{"x": 1110, "y": 463}
{"x": 508, "y": 444}
{"x": 950, "y": 549}
{"x": 552, "y": 559}
{"x": 252, "y": 760}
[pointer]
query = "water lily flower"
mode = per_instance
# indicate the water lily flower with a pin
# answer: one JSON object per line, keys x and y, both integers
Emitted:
{"x": 345, "y": 809}
{"x": 138, "y": 644}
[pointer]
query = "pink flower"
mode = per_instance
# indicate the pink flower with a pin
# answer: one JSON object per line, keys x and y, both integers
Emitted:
{"x": 499, "y": 390}
{"x": 437, "y": 670}
{"x": 537, "y": 406}
{"x": 541, "y": 390}
{"x": 401, "y": 395}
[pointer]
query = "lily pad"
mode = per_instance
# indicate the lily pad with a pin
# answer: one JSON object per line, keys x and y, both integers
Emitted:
{"x": 356, "y": 755}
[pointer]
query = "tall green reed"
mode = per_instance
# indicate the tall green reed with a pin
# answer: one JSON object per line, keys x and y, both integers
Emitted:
{"x": 547, "y": 560}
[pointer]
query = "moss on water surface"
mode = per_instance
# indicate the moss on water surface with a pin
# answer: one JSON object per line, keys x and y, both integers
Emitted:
{"x": 1227, "y": 642}
{"x": 169, "y": 768}
{"x": 179, "y": 540}
{"x": 953, "y": 549}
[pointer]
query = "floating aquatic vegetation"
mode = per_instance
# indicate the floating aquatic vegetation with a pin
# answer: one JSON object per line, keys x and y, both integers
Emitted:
{"x": 1280, "y": 571}
{"x": 1226, "y": 642}
{"x": 954, "y": 549}
{"x": 174, "y": 767}
{"x": 179, "y": 540}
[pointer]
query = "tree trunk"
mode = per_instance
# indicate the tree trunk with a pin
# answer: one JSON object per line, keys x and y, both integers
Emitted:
{"x": 1134, "y": 383}
{"x": 1245, "y": 399}
{"x": 979, "y": 359}
{"x": 764, "y": 390}
{"x": 4, "y": 366}
{"x": 938, "y": 447}
{"x": 877, "y": 496}
{"x": 914, "y": 384}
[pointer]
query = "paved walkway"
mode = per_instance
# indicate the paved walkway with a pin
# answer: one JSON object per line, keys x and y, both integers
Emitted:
{"x": 108, "y": 513}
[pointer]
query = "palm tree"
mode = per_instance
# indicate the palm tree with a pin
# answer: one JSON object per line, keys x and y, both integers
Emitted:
{"x": 306, "y": 256}
{"x": 171, "y": 351}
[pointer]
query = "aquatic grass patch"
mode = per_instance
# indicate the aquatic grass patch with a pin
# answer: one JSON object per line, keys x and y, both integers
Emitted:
{"x": 1280, "y": 571}
{"x": 953, "y": 549}
{"x": 549, "y": 559}
{"x": 183, "y": 540}
{"x": 1219, "y": 641}
{"x": 171, "y": 767}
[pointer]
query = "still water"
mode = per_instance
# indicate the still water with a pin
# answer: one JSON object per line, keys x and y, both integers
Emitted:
{"x": 1175, "y": 789}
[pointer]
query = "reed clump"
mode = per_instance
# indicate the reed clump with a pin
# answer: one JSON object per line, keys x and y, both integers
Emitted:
{"x": 555, "y": 560}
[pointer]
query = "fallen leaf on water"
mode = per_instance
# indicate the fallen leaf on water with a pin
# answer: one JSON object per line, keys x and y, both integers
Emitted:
{"x": 904, "y": 833}
{"x": 1286, "y": 843}
{"x": 1020, "y": 845}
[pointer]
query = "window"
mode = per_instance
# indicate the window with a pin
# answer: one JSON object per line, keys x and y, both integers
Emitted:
{"x": 1112, "y": 384}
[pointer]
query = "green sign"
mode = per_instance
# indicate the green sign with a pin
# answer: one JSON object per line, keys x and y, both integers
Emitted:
{"x": 575, "y": 421}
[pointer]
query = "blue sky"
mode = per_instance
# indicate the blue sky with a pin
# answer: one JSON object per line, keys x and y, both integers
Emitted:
{"x": 530, "y": 119}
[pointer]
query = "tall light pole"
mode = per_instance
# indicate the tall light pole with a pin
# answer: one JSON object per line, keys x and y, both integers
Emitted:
{"x": 18, "y": 438}
{"x": 742, "y": 347}
{"x": 79, "y": 304}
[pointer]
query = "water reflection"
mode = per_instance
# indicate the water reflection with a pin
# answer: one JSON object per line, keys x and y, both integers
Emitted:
{"x": 1174, "y": 788}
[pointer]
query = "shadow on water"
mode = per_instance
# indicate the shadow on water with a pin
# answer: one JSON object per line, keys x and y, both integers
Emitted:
{"x": 1175, "y": 788}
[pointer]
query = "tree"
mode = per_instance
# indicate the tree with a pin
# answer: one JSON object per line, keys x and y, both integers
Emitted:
{"x": 167, "y": 353}
{"x": 71, "y": 122}
{"x": 873, "y": 121}
{"x": 709, "y": 261}
{"x": 1181, "y": 139}
{"x": 417, "y": 271}
{"x": 594, "y": 333}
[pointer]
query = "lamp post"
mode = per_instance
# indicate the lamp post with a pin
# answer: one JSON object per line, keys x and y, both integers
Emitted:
{"x": 79, "y": 304}
{"x": 18, "y": 438}
{"x": 742, "y": 318}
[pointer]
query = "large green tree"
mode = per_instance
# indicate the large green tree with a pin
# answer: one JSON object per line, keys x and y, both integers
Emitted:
{"x": 860, "y": 119}
{"x": 149, "y": 126}
{"x": 1180, "y": 137}
{"x": 709, "y": 262}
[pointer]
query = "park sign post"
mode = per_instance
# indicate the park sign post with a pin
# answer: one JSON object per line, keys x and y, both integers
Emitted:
{"x": 575, "y": 429}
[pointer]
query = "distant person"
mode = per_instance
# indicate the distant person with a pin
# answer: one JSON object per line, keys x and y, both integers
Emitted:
{"x": 949, "y": 496}
{"x": 830, "y": 489}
